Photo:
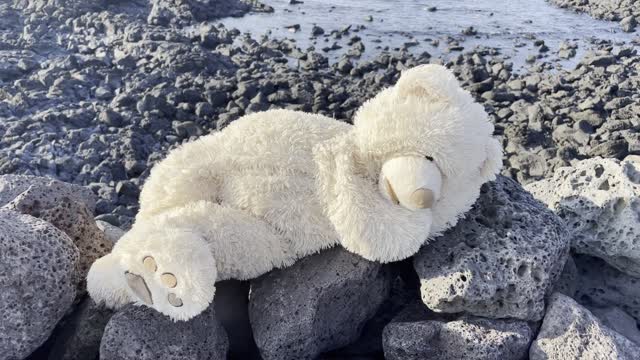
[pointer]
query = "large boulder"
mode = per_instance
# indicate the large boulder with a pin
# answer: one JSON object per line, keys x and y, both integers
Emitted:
{"x": 619, "y": 321}
{"x": 141, "y": 333}
{"x": 568, "y": 279}
{"x": 231, "y": 304}
{"x": 402, "y": 304}
{"x": 319, "y": 304}
{"x": 571, "y": 332}
{"x": 465, "y": 338}
{"x": 37, "y": 268}
{"x": 13, "y": 185}
{"x": 79, "y": 334}
{"x": 499, "y": 261}
{"x": 66, "y": 206}
{"x": 599, "y": 200}
{"x": 600, "y": 285}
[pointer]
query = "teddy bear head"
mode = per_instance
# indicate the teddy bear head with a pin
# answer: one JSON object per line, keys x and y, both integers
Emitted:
{"x": 411, "y": 166}
{"x": 171, "y": 270}
{"x": 426, "y": 138}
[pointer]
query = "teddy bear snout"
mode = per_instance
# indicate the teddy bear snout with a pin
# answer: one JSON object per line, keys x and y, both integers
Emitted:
{"x": 139, "y": 287}
{"x": 422, "y": 198}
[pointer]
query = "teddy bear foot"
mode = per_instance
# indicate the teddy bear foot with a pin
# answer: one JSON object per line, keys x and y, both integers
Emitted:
{"x": 138, "y": 284}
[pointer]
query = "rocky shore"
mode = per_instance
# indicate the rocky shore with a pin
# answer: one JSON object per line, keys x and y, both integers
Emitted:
{"x": 525, "y": 273}
{"x": 94, "y": 93}
{"x": 627, "y": 12}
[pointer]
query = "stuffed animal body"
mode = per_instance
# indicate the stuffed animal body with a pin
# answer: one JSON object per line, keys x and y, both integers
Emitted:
{"x": 275, "y": 186}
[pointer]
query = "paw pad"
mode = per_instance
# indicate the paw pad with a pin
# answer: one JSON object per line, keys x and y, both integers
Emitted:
{"x": 169, "y": 280}
{"x": 139, "y": 287}
{"x": 138, "y": 284}
{"x": 174, "y": 300}
{"x": 150, "y": 263}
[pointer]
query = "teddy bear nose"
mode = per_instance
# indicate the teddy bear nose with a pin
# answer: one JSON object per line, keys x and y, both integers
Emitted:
{"x": 422, "y": 198}
{"x": 139, "y": 287}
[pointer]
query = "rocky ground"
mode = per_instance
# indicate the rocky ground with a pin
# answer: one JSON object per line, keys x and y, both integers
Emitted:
{"x": 94, "y": 93}
{"x": 627, "y": 12}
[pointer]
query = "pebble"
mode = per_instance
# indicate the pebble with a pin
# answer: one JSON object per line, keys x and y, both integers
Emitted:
{"x": 628, "y": 24}
{"x": 317, "y": 30}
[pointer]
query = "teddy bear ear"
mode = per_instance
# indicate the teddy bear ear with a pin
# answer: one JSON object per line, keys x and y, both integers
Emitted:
{"x": 493, "y": 163}
{"x": 431, "y": 80}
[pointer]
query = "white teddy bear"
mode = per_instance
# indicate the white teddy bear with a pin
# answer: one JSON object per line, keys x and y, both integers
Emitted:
{"x": 276, "y": 186}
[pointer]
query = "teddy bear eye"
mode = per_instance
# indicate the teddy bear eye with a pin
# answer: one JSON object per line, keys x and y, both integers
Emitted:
{"x": 428, "y": 157}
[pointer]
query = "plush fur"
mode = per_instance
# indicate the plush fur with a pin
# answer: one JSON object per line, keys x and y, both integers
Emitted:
{"x": 279, "y": 185}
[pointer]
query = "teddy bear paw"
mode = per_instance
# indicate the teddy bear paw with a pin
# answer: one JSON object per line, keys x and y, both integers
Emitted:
{"x": 143, "y": 286}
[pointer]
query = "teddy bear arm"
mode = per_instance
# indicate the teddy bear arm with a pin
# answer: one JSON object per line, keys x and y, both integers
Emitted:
{"x": 244, "y": 245}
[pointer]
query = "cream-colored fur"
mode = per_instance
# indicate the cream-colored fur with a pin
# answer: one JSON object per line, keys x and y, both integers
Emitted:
{"x": 278, "y": 185}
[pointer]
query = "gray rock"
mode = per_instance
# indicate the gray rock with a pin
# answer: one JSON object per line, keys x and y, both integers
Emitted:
{"x": 148, "y": 103}
{"x": 566, "y": 53}
{"x": 619, "y": 321}
{"x": 110, "y": 118}
{"x": 293, "y": 28}
{"x": 569, "y": 331}
{"x": 611, "y": 149}
{"x": 141, "y": 333}
{"x": 567, "y": 283}
{"x": 470, "y": 31}
{"x": 53, "y": 203}
{"x": 466, "y": 338}
{"x": 187, "y": 129}
{"x": 112, "y": 232}
{"x": 599, "y": 60}
{"x": 232, "y": 310}
{"x": 103, "y": 93}
{"x": 203, "y": 109}
{"x": 79, "y": 335}
{"x": 599, "y": 200}
{"x": 168, "y": 12}
{"x": 13, "y": 185}
{"x": 209, "y": 37}
{"x": 600, "y": 285}
{"x": 345, "y": 66}
{"x": 317, "y": 30}
{"x": 216, "y": 98}
{"x": 246, "y": 90}
{"x": 127, "y": 189}
{"x": 357, "y": 49}
{"x": 37, "y": 268}
{"x": 499, "y": 261}
{"x": 315, "y": 61}
{"x": 628, "y": 24}
{"x": 319, "y": 304}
